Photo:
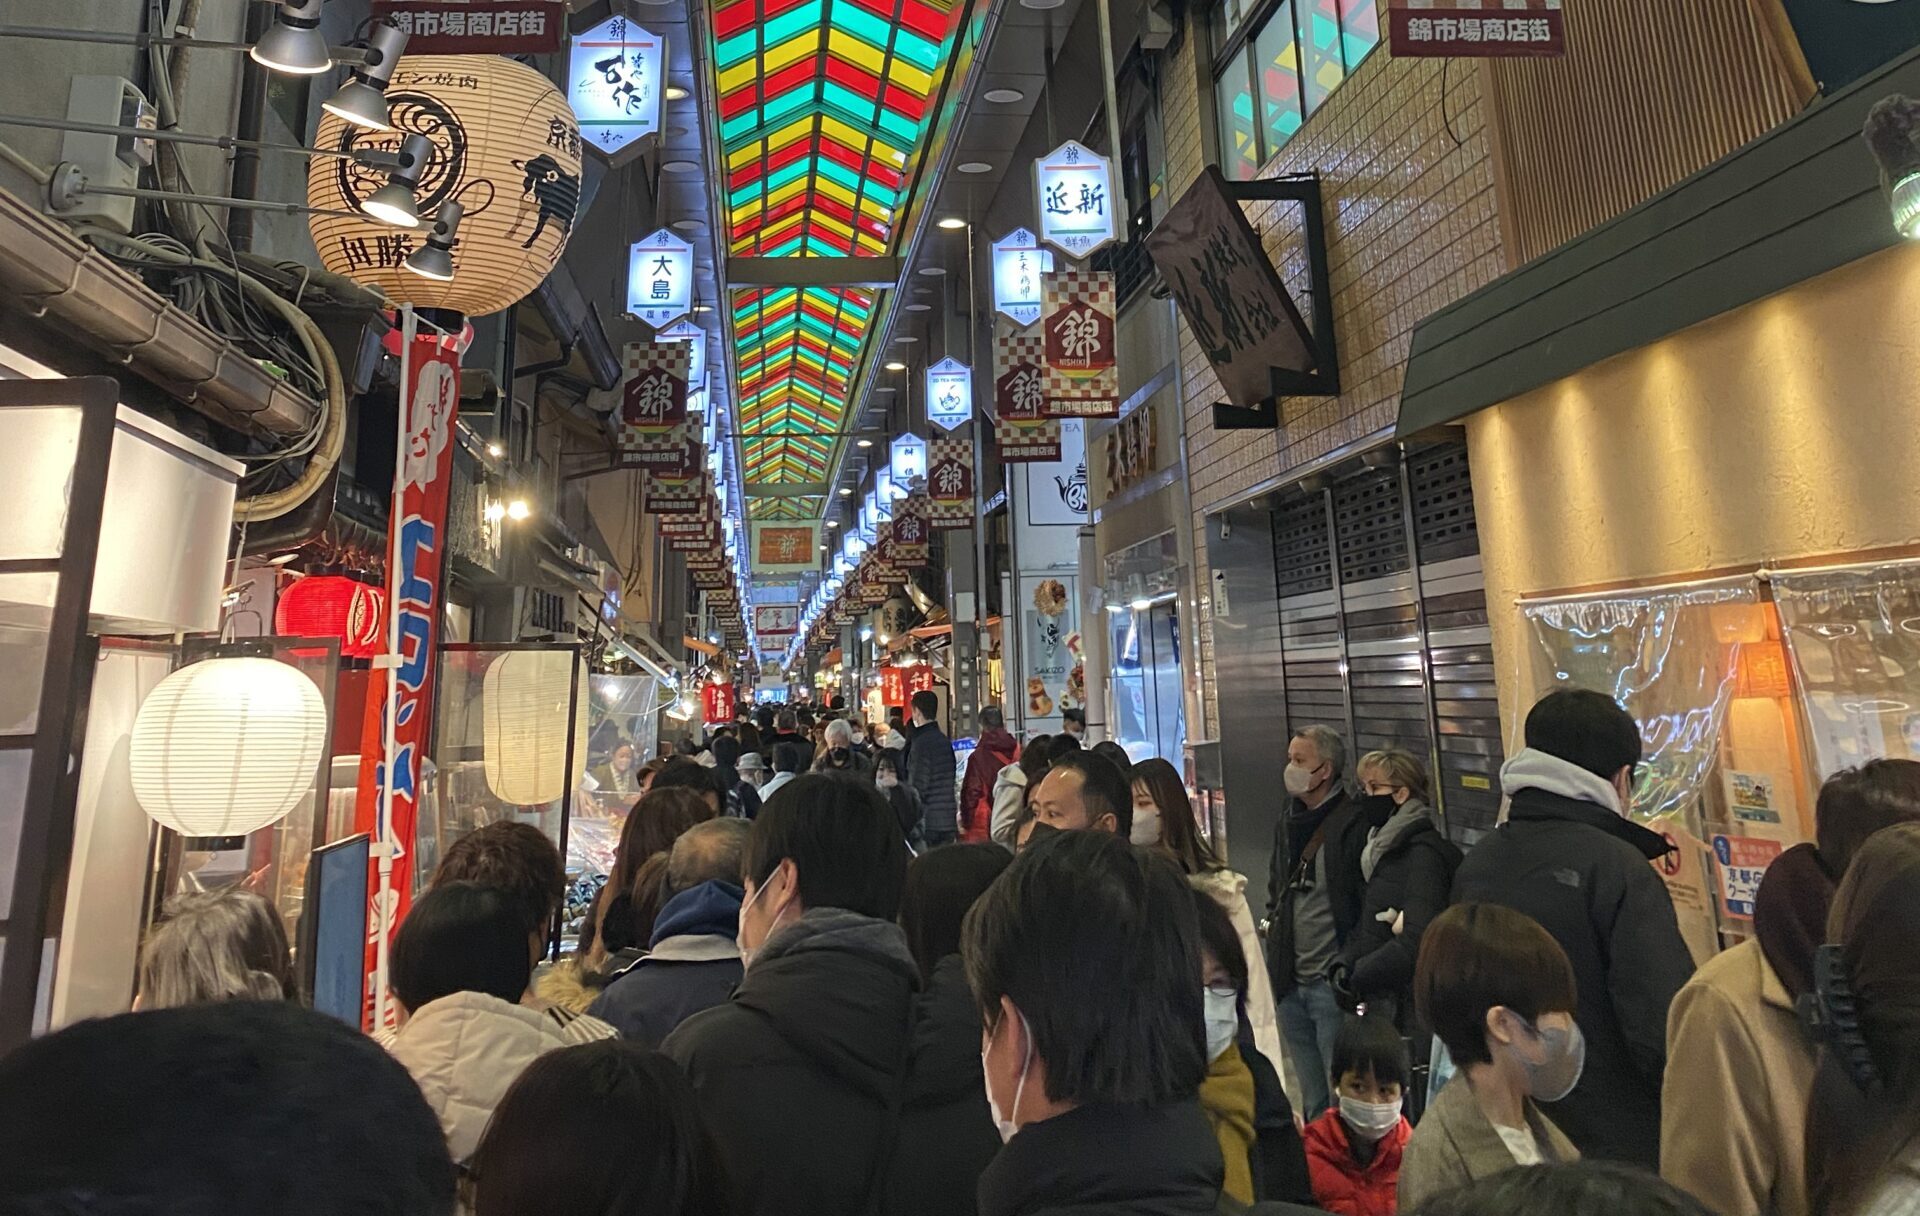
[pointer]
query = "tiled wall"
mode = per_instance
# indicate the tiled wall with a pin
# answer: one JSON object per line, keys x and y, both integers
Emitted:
{"x": 1408, "y": 190}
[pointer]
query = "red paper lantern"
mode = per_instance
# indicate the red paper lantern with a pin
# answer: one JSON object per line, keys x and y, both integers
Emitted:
{"x": 334, "y": 606}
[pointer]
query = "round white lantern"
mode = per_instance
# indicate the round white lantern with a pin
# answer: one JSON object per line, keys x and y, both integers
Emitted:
{"x": 530, "y": 707}
{"x": 227, "y": 746}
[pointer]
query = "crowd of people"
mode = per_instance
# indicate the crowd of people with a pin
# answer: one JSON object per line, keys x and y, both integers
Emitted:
{"x": 862, "y": 980}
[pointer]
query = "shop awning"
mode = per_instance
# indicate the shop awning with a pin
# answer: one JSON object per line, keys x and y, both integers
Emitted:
{"x": 1801, "y": 200}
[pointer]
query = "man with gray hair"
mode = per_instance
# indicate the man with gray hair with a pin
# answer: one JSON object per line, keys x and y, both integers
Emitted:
{"x": 1314, "y": 891}
{"x": 838, "y": 755}
{"x": 694, "y": 961}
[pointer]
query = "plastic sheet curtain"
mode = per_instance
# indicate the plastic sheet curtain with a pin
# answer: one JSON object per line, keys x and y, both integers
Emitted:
{"x": 1670, "y": 657}
{"x": 1854, "y": 637}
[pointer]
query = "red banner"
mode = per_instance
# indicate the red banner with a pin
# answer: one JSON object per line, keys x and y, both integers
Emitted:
{"x": 420, "y": 514}
{"x": 1474, "y": 29}
{"x": 478, "y": 27}
{"x": 717, "y": 702}
{"x": 1077, "y": 321}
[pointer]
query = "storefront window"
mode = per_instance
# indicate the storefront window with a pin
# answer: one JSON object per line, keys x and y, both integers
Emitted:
{"x": 1148, "y": 700}
{"x": 1291, "y": 55}
{"x": 1239, "y": 142}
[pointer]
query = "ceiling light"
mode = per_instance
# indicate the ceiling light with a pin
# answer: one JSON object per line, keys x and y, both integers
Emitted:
{"x": 919, "y": 308}
{"x": 394, "y": 202}
{"x": 688, "y": 225}
{"x": 933, "y": 272}
{"x": 833, "y": 523}
{"x": 846, "y": 492}
{"x": 434, "y": 259}
{"x": 676, "y": 93}
{"x": 293, "y": 45}
{"x": 362, "y": 100}
{"x": 1003, "y": 96}
{"x": 952, "y": 223}
{"x": 680, "y": 166}
{"x": 496, "y": 450}
{"x": 702, "y": 308}
{"x": 823, "y": 548}
{"x": 283, "y": 559}
{"x": 906, "y": 339}
{"x": 518, "y": 509}
{"x": 495, "y": 512}
{"x": 863, "y": 443}
{"x": 895, "y": 365}
{"x": 973, "y": 166}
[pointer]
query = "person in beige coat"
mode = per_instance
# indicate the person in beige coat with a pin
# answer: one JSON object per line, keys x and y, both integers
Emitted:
{"x": 1499, "y": 992}
{"x": 1739, "y": 1066}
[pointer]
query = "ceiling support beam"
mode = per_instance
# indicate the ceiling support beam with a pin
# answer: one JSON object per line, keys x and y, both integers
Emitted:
{"x": 872, "y": 273}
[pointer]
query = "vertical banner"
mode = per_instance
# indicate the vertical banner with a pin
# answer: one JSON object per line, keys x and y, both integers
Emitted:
{"x": 950, "y": 484}
{"x": 716, "y": 700}
{"x": 1021, "y": 427}
{"x": 1050, "y": 646}
{"x": 911, "y": 529}
{"x": 1077, "y": 323}
{"x": 388, "y": 806}
{"x": 650, "y": 427}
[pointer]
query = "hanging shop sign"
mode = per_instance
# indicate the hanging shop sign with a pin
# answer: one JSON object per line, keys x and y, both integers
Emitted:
{"x": 1018, "y": 263}
{"x": 650, "y": 427}
{"x": 1021, "y": 426}
{"x": 616, "y": 77}
{"x": 908, "y": 460}
{"x": 1513, "y": 28}
{"x": 716, "y": 701}
{"x": 785, "y": 548}
{"x": 776, "y": 620}
{"x": 1077, "y": 327}
{"x": 478, "y": 27}
{"x": 388, "y": 806}
{"x": 949, "y": 394}
{"x": 1057, "y": 489}
{"x": 1132, "y": 447}
{"x": 504, "y": 146}
{"x": 1229, "y": 292}
{"x": 334, "y": 606}
{"x": 660, "y": 279}
{"x": 1074, "y": 186}
{"x": 695, "y": 340}
{"x": 898, "y": 684}
{"x": 911, "y": 530}
{"x": 950, "y": 484}
{"x": 674, "y": 495}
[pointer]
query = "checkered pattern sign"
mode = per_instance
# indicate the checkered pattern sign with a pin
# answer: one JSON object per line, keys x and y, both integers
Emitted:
{"x": 950, "y": 483}
{"x": 651, "y": 427}
{"x": 1021, "y": 427}
{"x": 1077, "y": 327}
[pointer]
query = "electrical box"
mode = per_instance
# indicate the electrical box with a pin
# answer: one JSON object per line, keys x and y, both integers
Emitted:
{"x": 107, "y": 160}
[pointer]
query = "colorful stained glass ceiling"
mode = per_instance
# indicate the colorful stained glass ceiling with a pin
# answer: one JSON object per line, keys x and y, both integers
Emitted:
{"x": 823, "y": 108}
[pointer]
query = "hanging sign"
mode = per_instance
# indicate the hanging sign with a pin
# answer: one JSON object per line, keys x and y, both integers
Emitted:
{"x": 1021, "y": 426}
{"x": 949, "y": 393}
{"x": 1075, "y": 187}
{"x": 615, "y": 81}
{"x": 1229, "y": 292}
{"x": 418, "y": 536}
{"x": 650, "y": 426}
{"x": 1514, "y": 28}
{"x": 673, "y": 495}
{"x": 776, "y": 620}
{"x": 660, "y": 279}
{"x": 908, "y": 461}
{"x": 1078, "y": 329}
{"x": 911, "y": 531}
{"x": 950, "y": 484}
{"x": 478, "y": 27}
{"x": 716, "y": 701}
{"x": 1018, "y": 263}
{"x": 695, "y": 340}
{"x": 784, "y": 548}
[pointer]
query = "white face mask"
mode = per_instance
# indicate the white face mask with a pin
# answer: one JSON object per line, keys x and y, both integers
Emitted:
{"x": 888, "y": 781}
{"x": 1369, "y": 1121}
{"x": 740, "y": 931}
{"x": 1146, "y": 827}
{"x": 1298, "y": 779}
{"x": 859, "y": 738}
{"x": 1222, "y": 1011}
{"x": 1006, "y": 1125}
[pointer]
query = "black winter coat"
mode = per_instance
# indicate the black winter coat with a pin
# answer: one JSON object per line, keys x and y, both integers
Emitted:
{"x": 1413, "y": 876}
{"x": 947, "y": 1136}
{"x": 1108, "y": 1161}
{"x": 930, "y": 770}
{"x": 804, "y": 1073}
{"x": 1582, "y": 872}
{"x": 1345, "y": 836}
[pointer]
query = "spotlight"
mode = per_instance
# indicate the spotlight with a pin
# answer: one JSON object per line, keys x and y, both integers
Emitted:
{"x": 1890, "y": 132}
{"x": 362, "y": 100}
{"x": 394, "y": 203}
{"x": 294, "y": 45}
{"x": 434, "y": 260}
{"x": 518, "y": 509}
{"x": 496, "y": 450}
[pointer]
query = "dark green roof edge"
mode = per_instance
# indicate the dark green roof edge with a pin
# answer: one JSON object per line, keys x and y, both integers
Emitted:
{"x": 1798, "y": 201}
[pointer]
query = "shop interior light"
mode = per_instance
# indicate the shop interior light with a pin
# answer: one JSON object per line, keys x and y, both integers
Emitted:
{"x": 294, "y": 45}
{"x": 362, "y": 100}
{"x": 394, "y": 203}
{"x": 434, "y": 259}
{"x": 1892, "y": 132}
{"x": 496, "y": 511}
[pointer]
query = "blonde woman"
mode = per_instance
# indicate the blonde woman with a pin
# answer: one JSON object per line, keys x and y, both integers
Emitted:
{"x": 216, "y": 946}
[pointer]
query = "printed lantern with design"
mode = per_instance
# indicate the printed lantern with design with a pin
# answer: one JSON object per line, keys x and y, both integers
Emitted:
{"x": 1077, "y": 324}
{"x": 334, "y": 606}
{"x": 505, "y": 147}
{"x": 1021, "y": 427}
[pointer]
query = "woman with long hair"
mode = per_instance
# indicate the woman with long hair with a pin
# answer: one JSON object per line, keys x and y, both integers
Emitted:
{"x": 216, "y": 946}
{"x": 1163, "y": 819}
{"x": 631, "y": 898}
{"x": 1863, "y": 1125}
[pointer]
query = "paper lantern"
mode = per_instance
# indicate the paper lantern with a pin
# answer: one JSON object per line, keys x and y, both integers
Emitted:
{"x": 334, "y": 606}
{"x": 531, "y": 705}
{"x": 505, "y": 147}
{"x": 225, "y": 747}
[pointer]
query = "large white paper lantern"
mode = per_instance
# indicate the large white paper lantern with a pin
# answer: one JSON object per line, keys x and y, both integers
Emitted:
{"x": 530, "y": 706}
{"x": 225, "y": 747}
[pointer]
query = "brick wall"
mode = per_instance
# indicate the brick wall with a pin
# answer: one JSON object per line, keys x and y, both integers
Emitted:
{"x": 1408, "y": 190}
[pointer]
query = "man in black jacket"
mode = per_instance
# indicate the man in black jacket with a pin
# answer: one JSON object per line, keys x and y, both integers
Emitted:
{"x": 1313, "y": 901}
{"x": 930, "y": 771}
{"x": 1568, "y": 857}
{"x": 805, "y": 1072}
{"x": 786, "y": 726}
{"x": 1083, "y": 959}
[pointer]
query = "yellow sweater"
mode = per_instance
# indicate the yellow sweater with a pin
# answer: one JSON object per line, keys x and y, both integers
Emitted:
{"x": 1227, "y": 1097}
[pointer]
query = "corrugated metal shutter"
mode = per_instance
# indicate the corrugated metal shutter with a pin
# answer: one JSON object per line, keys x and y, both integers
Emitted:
{"x": 1309, "y": 625}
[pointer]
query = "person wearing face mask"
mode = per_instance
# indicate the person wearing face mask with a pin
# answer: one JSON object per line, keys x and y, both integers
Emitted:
{"x": 1354, "y": 1150}
{"x": 1084, "y": 963}
{"x": 904, "y": 799}
{"x": 805, "y": 1071}
{"x": 1407, "y": 865}
{"x": 838, "y": 756}
{"x": 1499, "y": 992}
{"x": 1568, "y": 857}
{"x": 1313, "y": 903}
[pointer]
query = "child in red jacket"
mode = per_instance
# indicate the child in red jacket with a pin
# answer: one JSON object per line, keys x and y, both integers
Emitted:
{"x": 1353, "y": 1151}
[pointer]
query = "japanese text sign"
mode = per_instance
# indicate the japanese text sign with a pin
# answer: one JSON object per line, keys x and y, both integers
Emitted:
{"x": 716, "y": 701}
{"x": 1229, "y": 293}
{"x": 908, "y": 460}
{"x": 650, "y": 425}
{"x": 1742, "y": 860}
{"x": 660, "y": 279}
{"x": 949, "y": 394}
{"x": 1074, "y": 186}
{"x": 1021, "y": 426}
{"x": 782, "y": 547}
{"x": 776, "y": 620}
{"x": 1077, "y": 327}
{"x": 1476, "y": 28}
{"x": 1018, "y": 263}
{"x": 478, "y": 27}
{"x": 949, "y": 484}
{"x": 615, "y": 81}
{"x": 911, "y": 532}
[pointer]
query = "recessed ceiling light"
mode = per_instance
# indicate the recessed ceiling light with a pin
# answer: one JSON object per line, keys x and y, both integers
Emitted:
{"x": 973, "y": 166}
{"x": 680, "y": 166}
{"x": 863, "y": 443}
{"x": 919, "y": 308}
{"x": 952, "y": 223}
{"x": 906, "y": 339}
{"x": 689, "y": 225}
{"x": 885, "y": 388}
{"x": 702, "y": 308}
{"x": 676, "y": 93}
{"x": 895, "y": 365}
{"x": 845, "y": 492}
{"x": 933, "y": 272}
{"x": 1004, "y": 96}
{"x": 677, "y": 132}
{"x": 833, "y": 523}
